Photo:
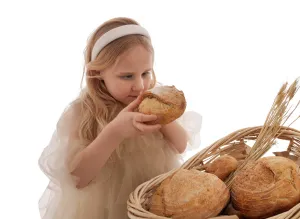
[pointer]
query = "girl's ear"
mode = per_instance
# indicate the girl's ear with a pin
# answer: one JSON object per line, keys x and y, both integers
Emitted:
{"x": 93, "y": 74}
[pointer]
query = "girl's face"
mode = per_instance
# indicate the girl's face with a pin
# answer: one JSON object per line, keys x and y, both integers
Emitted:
{"x": 130, "y": 75}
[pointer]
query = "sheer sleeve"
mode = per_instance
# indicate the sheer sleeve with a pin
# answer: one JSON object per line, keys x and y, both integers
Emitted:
{"x": 55, "y": 162}
{"x": 191, "y": 121}
{"x": 64, "y": 144}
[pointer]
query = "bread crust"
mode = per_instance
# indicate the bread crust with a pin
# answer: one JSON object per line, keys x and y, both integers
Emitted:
{"x": 190, "y": 194}
{"x": 267, "y": 187}
{"x": 166, "y": 102}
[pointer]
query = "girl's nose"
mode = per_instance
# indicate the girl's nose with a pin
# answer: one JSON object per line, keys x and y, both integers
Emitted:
{"x": 138, "y": 85}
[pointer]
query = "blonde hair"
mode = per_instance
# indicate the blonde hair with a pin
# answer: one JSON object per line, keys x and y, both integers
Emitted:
{"x": 98, "y": 107}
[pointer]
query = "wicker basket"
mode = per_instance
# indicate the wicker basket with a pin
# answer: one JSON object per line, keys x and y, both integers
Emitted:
{"x": 226, "y": 145}
{"x": 234, "y": 144}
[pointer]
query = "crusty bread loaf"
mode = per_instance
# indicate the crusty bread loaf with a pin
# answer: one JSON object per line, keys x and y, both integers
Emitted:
{"x": 166, "y": 102}
{"x": 222, "y": 167}
{"x": 267, "y": 187}
{"x": 190, "y": 194}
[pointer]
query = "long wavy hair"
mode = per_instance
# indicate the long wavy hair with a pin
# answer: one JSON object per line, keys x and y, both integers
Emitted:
{"x": 97, "y": 106}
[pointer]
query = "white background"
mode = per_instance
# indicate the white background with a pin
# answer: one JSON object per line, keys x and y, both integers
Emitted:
{"x": 229, "y": 57}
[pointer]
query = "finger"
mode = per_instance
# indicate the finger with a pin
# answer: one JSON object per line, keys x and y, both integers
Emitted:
{"x": 146, "y": 128}
{"x": 134, "y": 104}
{"x": 144, "y": 117}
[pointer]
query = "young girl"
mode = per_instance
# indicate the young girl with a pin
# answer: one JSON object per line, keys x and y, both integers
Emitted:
{"x": 102, "y": 149}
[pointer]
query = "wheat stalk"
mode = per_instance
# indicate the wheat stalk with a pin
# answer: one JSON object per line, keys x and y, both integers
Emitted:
{"x": 277, "y": 117}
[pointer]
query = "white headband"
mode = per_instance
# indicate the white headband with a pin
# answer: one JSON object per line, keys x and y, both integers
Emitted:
{"x": 116, "y": 33}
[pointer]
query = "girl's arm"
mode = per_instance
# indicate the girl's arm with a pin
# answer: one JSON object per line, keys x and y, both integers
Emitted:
{"x": 87, "y": 163}
{"x": 176, "y": 136}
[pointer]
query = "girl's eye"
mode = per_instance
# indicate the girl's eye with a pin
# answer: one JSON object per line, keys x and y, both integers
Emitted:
{"x": 126, "y": 77}
{"x": 146, "y": 73}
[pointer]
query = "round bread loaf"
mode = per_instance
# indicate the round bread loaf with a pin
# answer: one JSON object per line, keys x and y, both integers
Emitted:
{"x": 267, "y": 187}
{"x": 223, "y": 166}
{"x": 166, "y": 102}
{"x": 190, "y": 194}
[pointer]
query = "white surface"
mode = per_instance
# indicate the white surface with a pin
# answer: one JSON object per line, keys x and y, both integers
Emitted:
{"x": 229, "y": 57}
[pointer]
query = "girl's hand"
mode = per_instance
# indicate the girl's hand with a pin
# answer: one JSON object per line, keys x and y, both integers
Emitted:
{"x": 129, "y": 123}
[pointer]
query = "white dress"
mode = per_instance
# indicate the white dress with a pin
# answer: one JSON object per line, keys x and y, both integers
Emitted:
{"x": 140, "y": 159}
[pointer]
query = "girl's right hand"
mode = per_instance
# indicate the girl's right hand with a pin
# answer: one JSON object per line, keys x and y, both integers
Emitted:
{"x": 128, "y": 123}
